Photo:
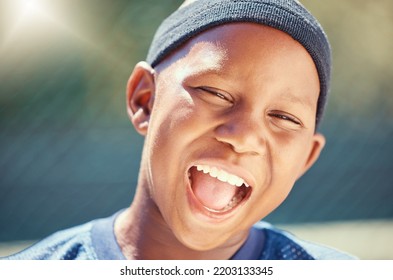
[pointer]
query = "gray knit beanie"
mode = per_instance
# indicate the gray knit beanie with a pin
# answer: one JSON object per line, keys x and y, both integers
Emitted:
{"x": 288, "y": 16}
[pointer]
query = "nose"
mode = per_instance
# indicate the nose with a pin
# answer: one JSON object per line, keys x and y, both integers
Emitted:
{"x": 244, "y": 133}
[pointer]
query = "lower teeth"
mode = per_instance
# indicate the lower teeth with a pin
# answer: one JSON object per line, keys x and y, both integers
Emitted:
{"x": 235, "y": 200}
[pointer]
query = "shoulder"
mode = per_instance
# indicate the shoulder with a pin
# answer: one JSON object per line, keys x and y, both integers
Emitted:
{"x": 70, "y": 244}
{"x": 280, "y": 244}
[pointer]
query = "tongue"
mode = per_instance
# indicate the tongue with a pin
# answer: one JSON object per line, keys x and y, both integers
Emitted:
{"x": 210, "y": 191}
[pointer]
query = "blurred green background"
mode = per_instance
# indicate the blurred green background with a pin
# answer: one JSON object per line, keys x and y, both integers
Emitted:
{"x": 68, "y": 153}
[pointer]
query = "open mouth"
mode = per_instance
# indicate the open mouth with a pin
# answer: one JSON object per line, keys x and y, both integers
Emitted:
{"x": 217, "y": 190}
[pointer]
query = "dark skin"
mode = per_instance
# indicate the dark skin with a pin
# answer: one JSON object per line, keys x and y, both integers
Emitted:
{"x": 247, "y": 110}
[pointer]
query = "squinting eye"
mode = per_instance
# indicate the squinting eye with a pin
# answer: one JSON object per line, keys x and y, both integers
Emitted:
{"x": 286, "y": 118}
{"x": 224, "y": 96}
{"x": 291, "y": 120}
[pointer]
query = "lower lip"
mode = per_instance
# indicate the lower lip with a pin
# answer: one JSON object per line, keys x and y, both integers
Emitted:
{"x": 210, "y": 215}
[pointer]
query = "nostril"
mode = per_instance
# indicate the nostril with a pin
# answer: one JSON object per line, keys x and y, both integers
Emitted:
{"x": 244, "y": 151}
{"x": 242, "y": 146}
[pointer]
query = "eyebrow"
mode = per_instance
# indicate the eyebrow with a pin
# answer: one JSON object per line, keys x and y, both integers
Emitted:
{"x": 294, "y": 99}
{"x": 211, "y": 71}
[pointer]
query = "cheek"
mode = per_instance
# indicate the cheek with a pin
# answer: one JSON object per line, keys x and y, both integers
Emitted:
{"x": 289, "y": 157}
{"x": 172, "y": 129}
{"x": 172, "y": 123}
{"x": 179, "y": 116}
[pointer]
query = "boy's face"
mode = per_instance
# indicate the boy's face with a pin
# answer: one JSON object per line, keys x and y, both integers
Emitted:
{"x": 238, "y": 102}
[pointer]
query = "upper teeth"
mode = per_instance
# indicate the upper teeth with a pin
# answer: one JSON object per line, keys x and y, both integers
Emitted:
{"x": 222, "y": 175}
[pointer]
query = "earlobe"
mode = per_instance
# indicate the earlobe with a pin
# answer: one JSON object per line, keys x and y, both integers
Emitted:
{"x": 140, "y": 96}
{"x": 318, "y": 142}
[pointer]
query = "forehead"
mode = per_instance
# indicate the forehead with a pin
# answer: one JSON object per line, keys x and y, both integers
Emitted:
{"x": 243, "y": 50}
{"x": 237, "y": 43}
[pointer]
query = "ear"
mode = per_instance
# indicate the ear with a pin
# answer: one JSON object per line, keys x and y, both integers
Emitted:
{"x": 140, "y": 96}
{"x": 318, "y": 142}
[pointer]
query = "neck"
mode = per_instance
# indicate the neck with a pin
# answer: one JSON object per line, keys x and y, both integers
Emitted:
{"x": 142, "y": 233}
